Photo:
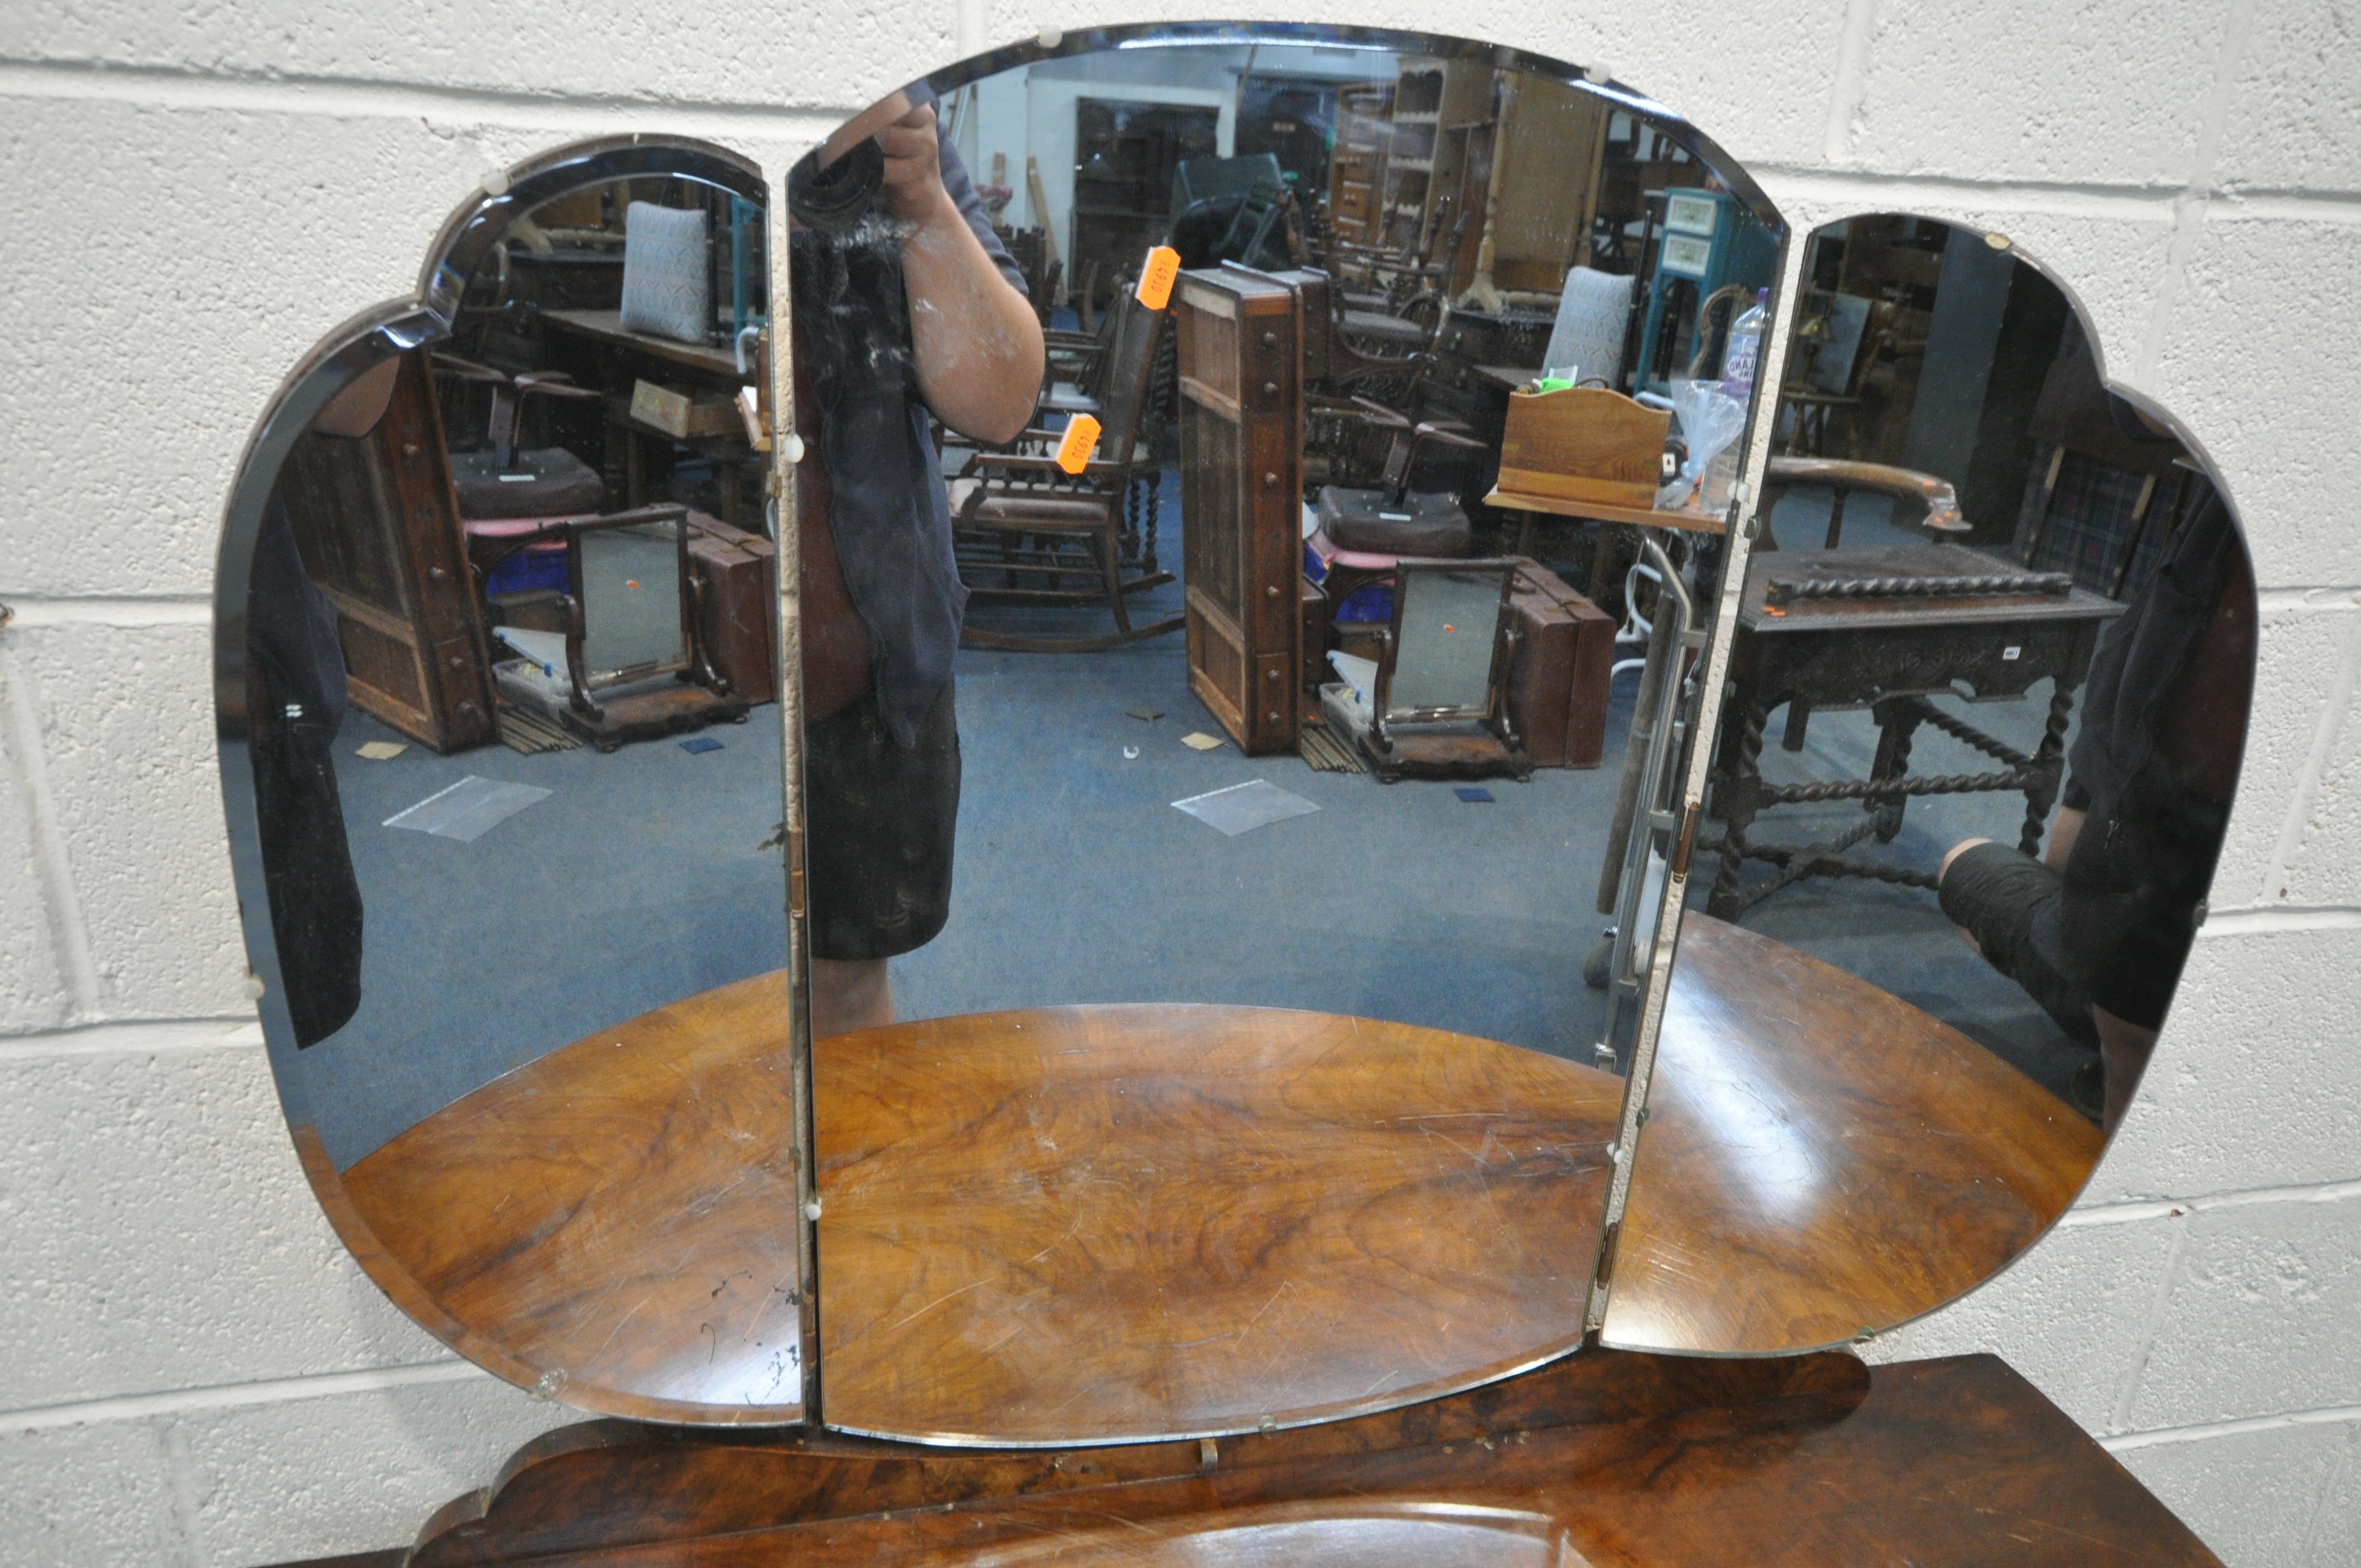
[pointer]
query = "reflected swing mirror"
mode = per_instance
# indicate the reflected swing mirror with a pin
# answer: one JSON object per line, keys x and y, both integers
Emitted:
{"x": 1120, "y": 876}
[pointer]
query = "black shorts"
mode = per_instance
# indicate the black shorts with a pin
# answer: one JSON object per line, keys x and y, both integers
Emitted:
{"x": 2113, "y": 930}
{"x": 882, "y": 819}
{"x": 2013, "y": 906}
{"x": 2134, "y": 893}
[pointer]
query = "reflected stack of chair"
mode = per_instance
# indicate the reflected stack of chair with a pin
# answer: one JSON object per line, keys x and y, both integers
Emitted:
{"x": 1021, "y": 523}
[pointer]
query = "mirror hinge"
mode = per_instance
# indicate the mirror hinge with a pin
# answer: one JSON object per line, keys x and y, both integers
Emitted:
{"x": 1686, "y": 841}
{"x": 1607, "y": 1253}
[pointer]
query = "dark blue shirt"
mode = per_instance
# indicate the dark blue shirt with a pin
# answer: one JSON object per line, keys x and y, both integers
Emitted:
{"x": 890, "y": 515}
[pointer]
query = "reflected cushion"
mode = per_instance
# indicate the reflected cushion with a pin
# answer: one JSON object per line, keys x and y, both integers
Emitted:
{"x": 667, "y": 277}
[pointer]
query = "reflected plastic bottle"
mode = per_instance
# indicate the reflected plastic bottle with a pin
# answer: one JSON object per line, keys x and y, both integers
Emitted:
{"x": 1739, "y": 358}
{"x": 1744, "y": 350}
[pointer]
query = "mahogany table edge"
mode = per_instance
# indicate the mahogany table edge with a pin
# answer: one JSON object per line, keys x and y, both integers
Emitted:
{"x": 666, "y": 1494}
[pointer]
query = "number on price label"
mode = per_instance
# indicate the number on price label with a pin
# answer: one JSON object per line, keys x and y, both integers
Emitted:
{"x": 1081, "y": 439}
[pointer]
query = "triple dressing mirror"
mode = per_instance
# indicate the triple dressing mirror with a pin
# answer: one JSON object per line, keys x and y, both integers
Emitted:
{"x": 1284, "y": 744}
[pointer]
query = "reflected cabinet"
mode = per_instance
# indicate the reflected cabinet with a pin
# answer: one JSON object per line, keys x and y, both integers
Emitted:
{"x": 1235, "y": 793}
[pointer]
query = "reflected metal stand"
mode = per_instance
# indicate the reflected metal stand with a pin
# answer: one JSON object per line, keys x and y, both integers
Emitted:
{"x": 1640, "y": 838}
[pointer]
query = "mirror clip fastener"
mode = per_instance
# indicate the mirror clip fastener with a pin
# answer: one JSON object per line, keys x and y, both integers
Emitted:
{"x": 1687, "y": 843}
{"x": 1606, "y": 1268}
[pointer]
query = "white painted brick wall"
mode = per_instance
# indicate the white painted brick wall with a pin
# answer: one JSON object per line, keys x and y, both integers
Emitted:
{"x": 190, "y": 1370}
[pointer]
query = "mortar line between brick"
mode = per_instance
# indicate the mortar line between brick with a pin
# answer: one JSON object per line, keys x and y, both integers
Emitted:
{"x": 1857, "y": 189}
{"x": 2334, "y": 1415}
{"x": 2190, "y": 208}
{"x": 234, "y": 1396}
{"x": 181, "y": 1480}
{"x": 2235, "y": 205}
{"x": 1863, "y": 188}
{"x": 2258, "y": 920}
{"x": 2325, "y": 734}
{"x": 20, "y": 737}
{"x": 2165, "y": 1208}
{"x": 2307, "y": 600}
{"x": 1847, "y": 93}
{"x": 2151, "y": 1325}
{"x": 160, "y": 87}
{"x": 146, "y": 1038}
{"x": 152, "y": 86}
{"x": 36, "y": 610}
{"x": 2313, "y": 1192}
{"x": 2335, "y": 1478}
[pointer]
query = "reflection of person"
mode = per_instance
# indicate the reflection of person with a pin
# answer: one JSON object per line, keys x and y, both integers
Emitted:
{"x": 296, "y": 702}
{"x": 915, "y": 309}
{"x": 2098, "y": 929}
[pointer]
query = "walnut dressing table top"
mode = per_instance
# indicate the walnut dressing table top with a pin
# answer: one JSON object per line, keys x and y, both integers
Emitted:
{"x": 1822, "y": 1158}
{"x": 1122, "y": 1222}
{"x": 1151, "y": 1217}
{"x": 1078, "y": 1223}
{"x": 1098, "y": 1223}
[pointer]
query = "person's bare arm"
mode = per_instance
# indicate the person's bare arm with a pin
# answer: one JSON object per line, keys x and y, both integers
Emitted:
{"x": 2063, "y": 831}
{"x": 977, "y": 343}
{"x": 354, "y": 412}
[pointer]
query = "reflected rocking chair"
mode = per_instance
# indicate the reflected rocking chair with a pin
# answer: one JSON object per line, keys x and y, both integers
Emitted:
{"x": 1022, "y": 525}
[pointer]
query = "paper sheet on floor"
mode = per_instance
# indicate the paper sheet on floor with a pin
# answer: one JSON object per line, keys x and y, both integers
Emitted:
{"x": 1243, "y": 808}
{"x": 468, "y": 809}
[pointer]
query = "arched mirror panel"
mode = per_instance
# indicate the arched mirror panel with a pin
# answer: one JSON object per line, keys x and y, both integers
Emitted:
{"x": 1989, "y": 682}
{"x": 1263, "y": 492}
{"x": 1117, "y": 876}
{"x": 500, "y": 755}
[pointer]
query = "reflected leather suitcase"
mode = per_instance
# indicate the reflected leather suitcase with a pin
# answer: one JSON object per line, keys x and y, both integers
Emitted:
{"x": 1427, "y": 525}
{"x": 1557, "y": 684}
{"x": 737, "y": 573}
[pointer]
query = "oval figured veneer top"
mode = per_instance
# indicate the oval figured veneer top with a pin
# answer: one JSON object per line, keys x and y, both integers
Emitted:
{"x": 1822, "y": 1158}
{"x": 1085, "y": 1224}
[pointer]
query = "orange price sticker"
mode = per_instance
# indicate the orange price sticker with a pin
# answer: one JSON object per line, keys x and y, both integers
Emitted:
{"x": 1155, "y": 277}
{"x": 1081, "y": 439}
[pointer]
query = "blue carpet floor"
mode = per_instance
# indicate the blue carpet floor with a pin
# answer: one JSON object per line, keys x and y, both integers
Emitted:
{"x": 640, "y": 880}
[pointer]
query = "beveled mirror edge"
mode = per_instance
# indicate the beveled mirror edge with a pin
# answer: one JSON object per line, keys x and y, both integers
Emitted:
{"x": 1053, "y": 45}
{"x": 338, "y": 359}
{"x": 479, "y": 222}
{"x": 1704, "y": 718}
{"x": 786, "y": 450}
{"x": 1780, "y": 328}
{"x": 333, "y": 363}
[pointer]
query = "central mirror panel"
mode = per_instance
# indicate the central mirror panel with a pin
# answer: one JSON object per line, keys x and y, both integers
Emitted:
{"x": 1255, "y": 500}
